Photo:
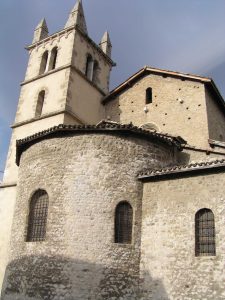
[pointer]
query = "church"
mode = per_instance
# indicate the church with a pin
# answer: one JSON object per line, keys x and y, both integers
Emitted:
{"x": 111, "y": 195}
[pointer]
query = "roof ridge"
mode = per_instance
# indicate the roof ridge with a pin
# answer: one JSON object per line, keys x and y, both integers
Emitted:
{"x": 172, "y": 168}
{"x": 178, "y": 72}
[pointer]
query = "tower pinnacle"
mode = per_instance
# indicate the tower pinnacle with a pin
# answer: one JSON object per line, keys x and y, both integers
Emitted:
{"x": 105, "y": 44}
{"x": 41, "y": 31}
{"x": 77, "y": 17}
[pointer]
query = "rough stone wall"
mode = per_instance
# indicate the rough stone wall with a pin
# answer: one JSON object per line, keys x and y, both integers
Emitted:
{"x": 216, "y": 118}
{"x": 177, "y": 107}
{"x": 168, "y": 239}
{"x": 8, "y": 194}
{"x": 85, "y": 176}
{"x": 60, "y": 92}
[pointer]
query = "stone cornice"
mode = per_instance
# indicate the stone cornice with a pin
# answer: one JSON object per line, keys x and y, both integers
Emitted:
{"x": 67, "y": 110}
{"x": 46, "y": 74}
{"x": 65, "y": 31}
{"x": 50, "y": 37}
{"x": 60, "y": 69}
{"x": 7, "y": 185}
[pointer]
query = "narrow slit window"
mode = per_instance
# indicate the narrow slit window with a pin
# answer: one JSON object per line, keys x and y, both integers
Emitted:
{"x": 89, "y": 67}
{"x": 53, "y": 59}
{"x": 40, "y": 103}
{"x": 205, "y": 233}
{"x": 38, "y": 213}
{"x": 123, "y": 223}
{"x": 148, "y": 96}
{"x": 44, "y": 61}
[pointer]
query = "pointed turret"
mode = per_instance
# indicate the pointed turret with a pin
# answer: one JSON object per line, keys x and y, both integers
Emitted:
{"x": 105, "y": 44}
{"x": 41, "y": 31}
{"x": 76, "y": 17}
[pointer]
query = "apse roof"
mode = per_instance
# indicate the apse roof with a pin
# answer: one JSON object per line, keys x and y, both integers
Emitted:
{"x": 103, "y": 126}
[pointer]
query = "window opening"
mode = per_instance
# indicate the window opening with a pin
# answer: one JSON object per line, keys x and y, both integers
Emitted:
{"x": 89, "y": 67}
{"x": 53, "y": 58}
{"x": 40, "y": 103}
{"x": 37, "y": 217}
{"x": 44, "y": 61}
{"x": 148, "y": 98}
{"x": 123, "y": 223}
{"x": 205, "y": 233}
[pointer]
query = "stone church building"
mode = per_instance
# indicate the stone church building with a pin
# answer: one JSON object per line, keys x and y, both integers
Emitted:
{"x": 111, "y": 195}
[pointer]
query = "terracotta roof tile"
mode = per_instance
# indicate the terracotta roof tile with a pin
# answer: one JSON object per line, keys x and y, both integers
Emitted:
{"x": 103, "y": 126}
{"x": 155, "y": 173}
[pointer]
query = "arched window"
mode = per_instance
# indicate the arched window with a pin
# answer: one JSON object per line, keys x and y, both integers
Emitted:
{"x": 53, "y": 58}
{"x": 44, "y": 61}
{"x": 148, "y": 96}
{"x": 95, "y": 72}
{"x": 89, "y": 67}
{"x": 40, "y": 103}
{"x": 123, "y": 223}
{"x": 38, "y": 213}
{"x": 204, "y": 233}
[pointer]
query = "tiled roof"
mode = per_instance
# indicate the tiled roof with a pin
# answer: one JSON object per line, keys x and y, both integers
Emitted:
{"x": 150, "y": 70}
{"x": 172, "y": 170}
{"x": 103, "y": 126}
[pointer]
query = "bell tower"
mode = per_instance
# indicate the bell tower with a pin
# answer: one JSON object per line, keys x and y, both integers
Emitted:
{"x": 67, "y": 76}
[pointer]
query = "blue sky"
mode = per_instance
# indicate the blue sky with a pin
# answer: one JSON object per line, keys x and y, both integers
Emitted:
{"x": 179, "y": 35}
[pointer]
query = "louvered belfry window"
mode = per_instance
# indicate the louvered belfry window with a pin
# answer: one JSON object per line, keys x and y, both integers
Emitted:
{"x": 123, "y": 223}
{"x": 37, "y": 217}
{"x": 205, "y": 233}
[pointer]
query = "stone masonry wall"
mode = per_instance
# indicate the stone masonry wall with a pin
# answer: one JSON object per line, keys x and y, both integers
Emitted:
{"x": 177, "y": 107}
{"x": 216, "y": 118}
{"x": 168, "y": 239}
{"x": 85, "y": 176}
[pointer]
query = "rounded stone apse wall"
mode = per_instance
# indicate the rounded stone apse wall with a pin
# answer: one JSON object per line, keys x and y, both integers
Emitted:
{"x": 84, "y": 177}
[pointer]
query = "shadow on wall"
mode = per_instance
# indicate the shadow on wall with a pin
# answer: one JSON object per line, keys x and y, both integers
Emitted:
{"x": 47, "y": 278}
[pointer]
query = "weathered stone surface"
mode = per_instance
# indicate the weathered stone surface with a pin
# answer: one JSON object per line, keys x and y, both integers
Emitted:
{"x": 85, "y": 176}
{"x": 168, "y": 238}
{"x": 70, "y": 98}
{"x": 178, "y": 106}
